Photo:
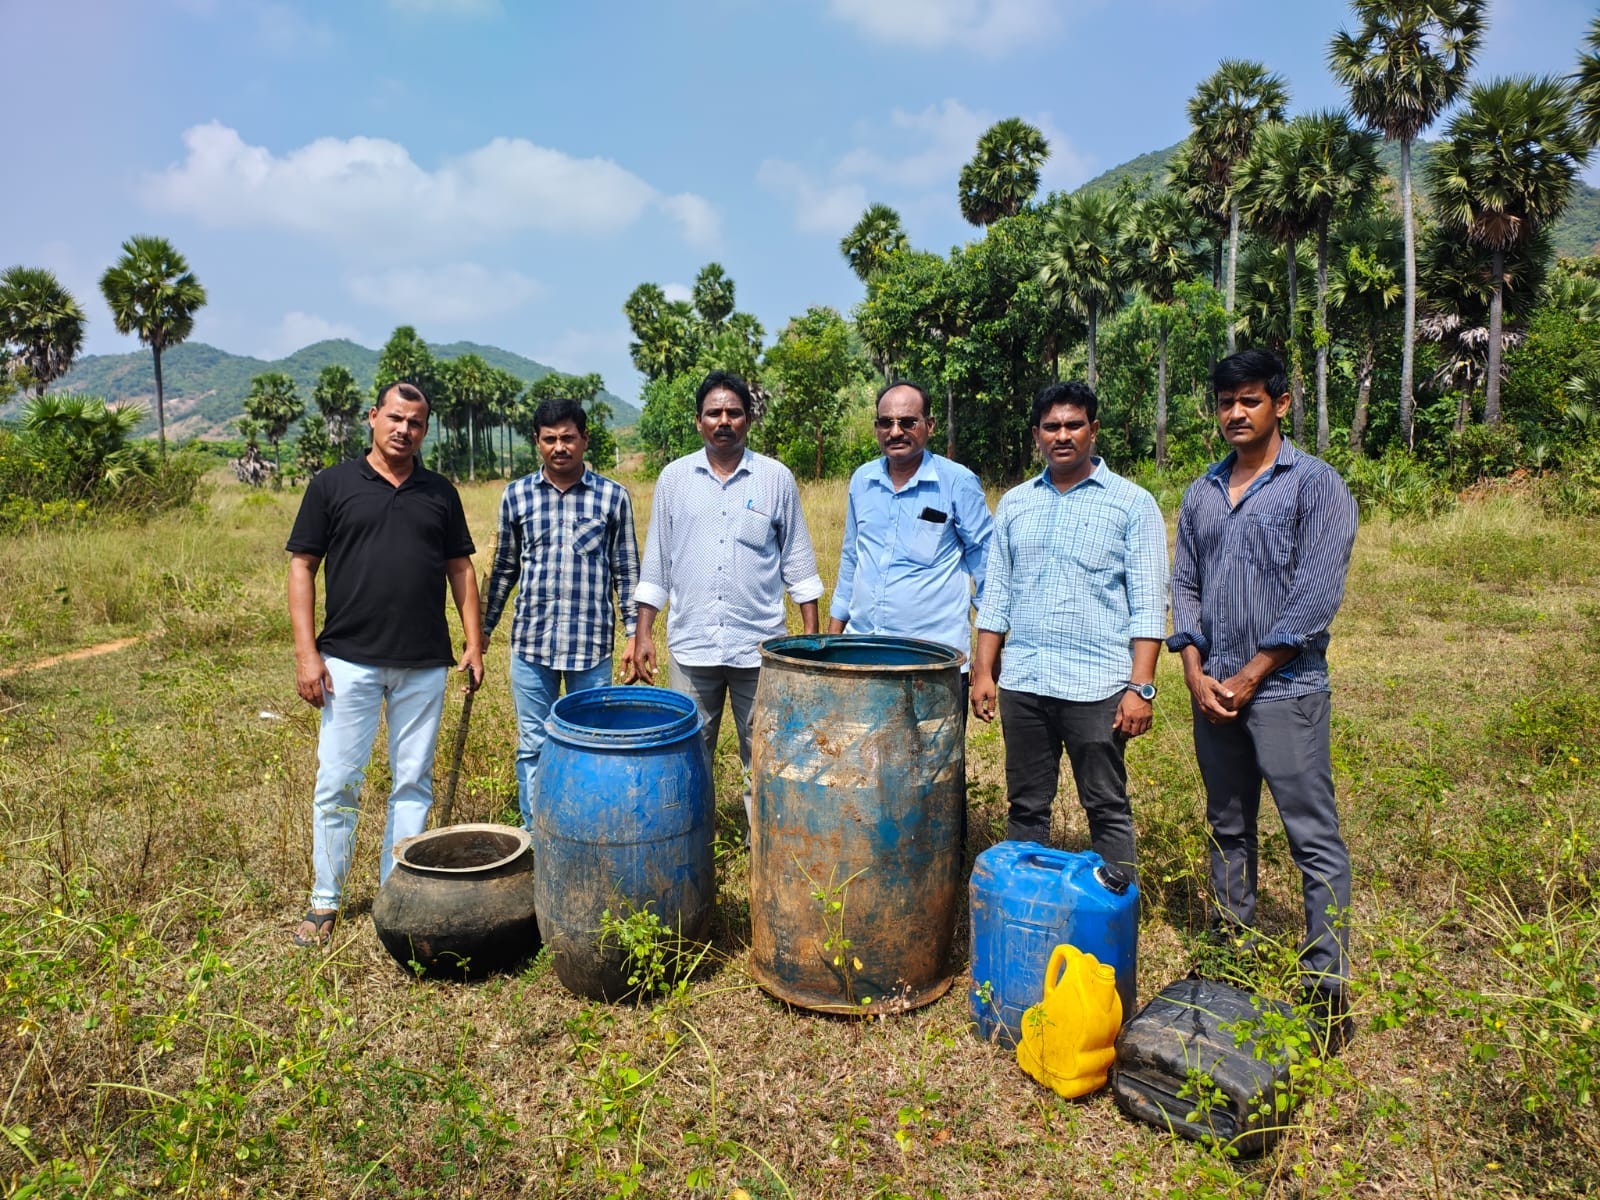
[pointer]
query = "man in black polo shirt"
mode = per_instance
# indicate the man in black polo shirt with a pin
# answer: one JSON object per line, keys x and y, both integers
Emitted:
{"x": 391, "y": 533}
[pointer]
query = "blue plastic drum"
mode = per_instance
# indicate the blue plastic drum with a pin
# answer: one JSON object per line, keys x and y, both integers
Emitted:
{"x": 623, "y": 822}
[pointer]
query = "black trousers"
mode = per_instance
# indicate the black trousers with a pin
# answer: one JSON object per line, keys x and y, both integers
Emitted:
{"x": 1037, "y": 729}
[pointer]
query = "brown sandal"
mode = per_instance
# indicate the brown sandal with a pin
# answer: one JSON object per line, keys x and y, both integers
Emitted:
{"x": 321, "y": 932}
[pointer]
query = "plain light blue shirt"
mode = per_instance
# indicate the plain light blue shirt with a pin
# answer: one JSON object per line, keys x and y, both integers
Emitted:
{"x": 720, "y": 553}
{"x": 911, "y": 557}
{"x": 1073, "y": 578}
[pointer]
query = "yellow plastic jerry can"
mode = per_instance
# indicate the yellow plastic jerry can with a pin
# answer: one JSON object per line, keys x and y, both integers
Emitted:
{"x": 1067, "y": 1038}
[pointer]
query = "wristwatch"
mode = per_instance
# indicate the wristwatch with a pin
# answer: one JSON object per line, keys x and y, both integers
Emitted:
{"x": 1145, "y": 691}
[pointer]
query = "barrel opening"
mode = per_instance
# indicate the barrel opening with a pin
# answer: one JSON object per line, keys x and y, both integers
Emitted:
{"x": 614, "y": 715}
{"x": 462, "y": 849}
{"x": 863, "y": 650}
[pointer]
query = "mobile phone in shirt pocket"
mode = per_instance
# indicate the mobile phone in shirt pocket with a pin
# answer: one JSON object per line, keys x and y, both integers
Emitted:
{"x": 1268, "y": 540}
{"x": 588, "y": 536}
{"x": 753, "y": 528}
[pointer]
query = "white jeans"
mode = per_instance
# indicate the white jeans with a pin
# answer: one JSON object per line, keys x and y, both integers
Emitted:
{"x": 414, "y": 697}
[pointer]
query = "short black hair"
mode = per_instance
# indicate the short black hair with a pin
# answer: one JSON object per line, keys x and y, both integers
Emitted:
{"x": 1079, "y": 395}
{"x": 730, "y": 381}
{"x": 1250, "y": 366}
{"x": 927, "y": 405}
{"x": 408, "y": 392}
{"x": 553, "y": 412}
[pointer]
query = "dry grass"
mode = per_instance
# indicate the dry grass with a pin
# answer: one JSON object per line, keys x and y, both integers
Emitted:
{"x": 160, "y": 1037}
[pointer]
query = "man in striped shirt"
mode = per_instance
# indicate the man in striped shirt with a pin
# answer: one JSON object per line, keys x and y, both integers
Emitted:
{"x": 1075, "y": 589}
{"x": 566, "y": 543}
{"x": 1264, "y": 542}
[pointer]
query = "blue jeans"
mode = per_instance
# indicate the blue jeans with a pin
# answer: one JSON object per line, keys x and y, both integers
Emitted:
{"x": 534, "y": 689}
{"x": 414, "y": 697}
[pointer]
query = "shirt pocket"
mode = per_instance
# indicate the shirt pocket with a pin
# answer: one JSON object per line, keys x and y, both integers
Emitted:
{"x": 753, "y": 528}
{"x": 1097, "y": 544}
{"x": 1268, "y": 541}
{"x": 588, "y": 536}
{"x": 924, "y": 540}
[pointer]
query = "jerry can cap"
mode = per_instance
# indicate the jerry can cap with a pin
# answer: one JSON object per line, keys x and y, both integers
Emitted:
{"x": 1113, "y": 879}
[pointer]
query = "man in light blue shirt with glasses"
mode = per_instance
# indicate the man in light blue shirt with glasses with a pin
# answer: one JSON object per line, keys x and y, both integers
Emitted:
{"x": 916, "y": 534}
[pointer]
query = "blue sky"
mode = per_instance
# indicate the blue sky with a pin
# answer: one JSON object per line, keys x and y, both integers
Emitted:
{"x": 507, "y": 171}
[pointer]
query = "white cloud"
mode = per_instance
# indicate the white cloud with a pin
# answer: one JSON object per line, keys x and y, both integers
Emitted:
{"x": 455, "y": 292}
{"x": 285, "y": 30}
{"x": 298, "y": 330}
{"x": 819, "y": 206}
{"x": 913, "y": 160}
{"x": 677, "y": 291}
{"x": 368, "y": 193}
{"x": 578, "y": 351}
{"x": 988, "y": 26}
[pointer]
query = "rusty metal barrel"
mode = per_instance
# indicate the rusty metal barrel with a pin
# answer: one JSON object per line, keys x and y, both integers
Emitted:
{"x": 858, "y": 765}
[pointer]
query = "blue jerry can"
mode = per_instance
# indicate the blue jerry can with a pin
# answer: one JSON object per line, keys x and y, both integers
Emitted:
{"x": 1026, "y": 899}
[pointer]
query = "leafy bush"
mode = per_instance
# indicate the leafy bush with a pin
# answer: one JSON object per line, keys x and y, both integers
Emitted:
{"x": 1396, "y": 484}
{"x": 1481, "y": 452}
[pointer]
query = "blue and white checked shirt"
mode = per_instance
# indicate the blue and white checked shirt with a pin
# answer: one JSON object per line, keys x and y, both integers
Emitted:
{"x": 719, "y": 555}
{"x": 910, "y": 557}
{"x": 1266, "y": 572}
{"x": 565, "y": 553}
{"x": 1073, "y": 577}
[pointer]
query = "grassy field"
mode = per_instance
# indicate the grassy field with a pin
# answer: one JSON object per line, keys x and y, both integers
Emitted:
{"x": 161, "y": 1037}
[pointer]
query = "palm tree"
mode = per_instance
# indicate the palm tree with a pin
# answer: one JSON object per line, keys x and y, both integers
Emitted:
{"x": 1224, "y": 114}
{"x": 1363, "y": 290}
{"x": 1266, "y": 188}
{"x": 152, "y": 292}
{"x": 1004, "y": 172}
{"x": 876, "y": 236}
{"x": 1338, "y": 174}
{"x": 713, "y": 295}
{"x": 39, "y": 317}
{"x": 1586, "y": 84}
{"x": 274, "y": 404}
{"x": 338, "y": 398}
{"x": 1083, "y": 267}
{"x": 1406, "y": 63}
{"x": 1189, "y": 177}
{"x": 1505, "y": 171}
{"x": 1163, "y": 231}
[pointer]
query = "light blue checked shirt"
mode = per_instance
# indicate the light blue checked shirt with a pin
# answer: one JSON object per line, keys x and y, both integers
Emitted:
{"x": 1266, "y": 572}
{"x": 909, "y": 557}
{"x": 565, "y": 553}
{"x": 720, "y": 553}
{"x": 1073, "y": 577}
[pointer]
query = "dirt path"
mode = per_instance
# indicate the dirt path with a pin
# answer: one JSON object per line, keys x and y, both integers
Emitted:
{"x": 72, "y": 656}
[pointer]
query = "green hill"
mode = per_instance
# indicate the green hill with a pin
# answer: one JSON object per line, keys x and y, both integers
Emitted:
{"x": 1576, "y": 234}
{"x": 206, "y": 387}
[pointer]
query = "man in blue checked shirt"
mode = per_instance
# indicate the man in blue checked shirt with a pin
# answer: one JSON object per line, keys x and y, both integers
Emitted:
{"x": 916, "y": 534}
{"x": 566, "y": 543}
{"x": 1076, "y": 591}
{"x": 1264, "y": 541}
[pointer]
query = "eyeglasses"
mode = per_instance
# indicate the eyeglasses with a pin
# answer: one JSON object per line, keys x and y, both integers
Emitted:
{"x": 909, "y": 424}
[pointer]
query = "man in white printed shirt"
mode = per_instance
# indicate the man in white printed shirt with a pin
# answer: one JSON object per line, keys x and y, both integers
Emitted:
{"x": 726, "y": 538}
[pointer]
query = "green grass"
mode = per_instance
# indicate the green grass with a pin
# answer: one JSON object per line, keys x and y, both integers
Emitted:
{"x": 158, "y": 1036}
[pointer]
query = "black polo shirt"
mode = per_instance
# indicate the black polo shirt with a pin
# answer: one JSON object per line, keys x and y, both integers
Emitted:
{"x": 383, "y": 551}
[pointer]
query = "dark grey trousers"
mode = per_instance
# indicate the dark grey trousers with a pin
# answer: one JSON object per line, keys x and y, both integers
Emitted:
{"x": 1285, "y": 744}
{"x": 1037, "y": 729}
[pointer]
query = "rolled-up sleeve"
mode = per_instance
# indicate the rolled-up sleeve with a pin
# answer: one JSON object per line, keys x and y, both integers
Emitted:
{"x": 799, "y": 562}
{"x": 994, "y": 614}
{"x": 1147, "y": 571}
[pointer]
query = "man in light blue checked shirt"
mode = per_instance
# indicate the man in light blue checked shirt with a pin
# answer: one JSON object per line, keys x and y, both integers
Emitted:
{"x": 566, "y": 543}
{"x": 1264, "y": 541}
{"x": 1076, "y": 592}
{"x": 916, "y": 534}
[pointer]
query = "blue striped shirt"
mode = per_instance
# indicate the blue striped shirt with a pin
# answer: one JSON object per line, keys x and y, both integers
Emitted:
{"x": 1263, "y": 573}
{"x": 566, "y": 553}
{"x": 909, "y": 557}
{"x": 1072, "y": 578}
